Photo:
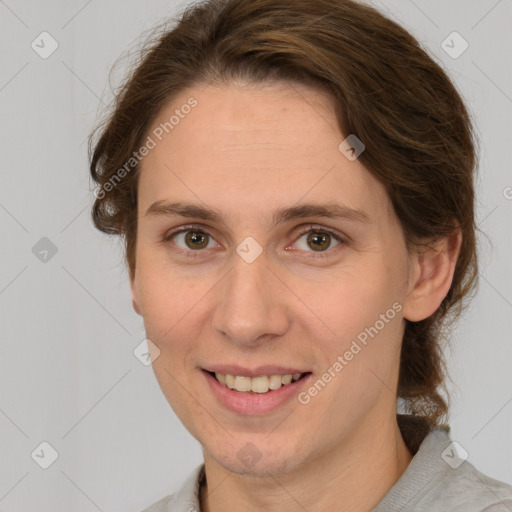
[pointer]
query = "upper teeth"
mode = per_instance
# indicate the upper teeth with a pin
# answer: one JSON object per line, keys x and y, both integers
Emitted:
{"x": 257, "y": 384}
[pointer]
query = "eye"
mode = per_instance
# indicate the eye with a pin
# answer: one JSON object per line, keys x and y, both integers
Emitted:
{"x": 319, "y": 239}
{"x": 191, "y": 239}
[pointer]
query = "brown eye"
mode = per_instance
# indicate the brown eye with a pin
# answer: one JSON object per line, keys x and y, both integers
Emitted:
{"x": 319, "y": 241}
{"x": 196, "y": 239}
{"x": 190, "y": 240}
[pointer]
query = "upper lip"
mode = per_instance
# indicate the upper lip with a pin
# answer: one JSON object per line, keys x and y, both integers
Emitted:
{"x": 253, "y": 372}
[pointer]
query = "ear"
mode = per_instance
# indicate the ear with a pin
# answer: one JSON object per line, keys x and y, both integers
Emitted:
{"x": 135, "y": 296}
{"x": 431, "y": 276}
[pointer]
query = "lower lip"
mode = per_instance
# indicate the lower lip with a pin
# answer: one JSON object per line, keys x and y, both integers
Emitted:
{"x": 253, "y": 404}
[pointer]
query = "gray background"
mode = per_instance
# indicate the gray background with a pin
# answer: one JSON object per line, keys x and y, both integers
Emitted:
{"x": 68, "y": 373}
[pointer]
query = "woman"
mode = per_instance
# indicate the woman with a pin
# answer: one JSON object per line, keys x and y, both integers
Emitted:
{"x": 294, "y": 184}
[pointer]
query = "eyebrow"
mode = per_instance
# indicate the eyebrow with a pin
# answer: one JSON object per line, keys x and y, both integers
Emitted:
{"x": 331, "y": 210}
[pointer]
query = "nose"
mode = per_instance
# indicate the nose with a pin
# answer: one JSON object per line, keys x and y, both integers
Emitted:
{"x": 252, "y": 306}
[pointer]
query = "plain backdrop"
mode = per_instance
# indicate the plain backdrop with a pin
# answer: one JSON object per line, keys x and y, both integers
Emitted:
{"x": 68, "y": 373}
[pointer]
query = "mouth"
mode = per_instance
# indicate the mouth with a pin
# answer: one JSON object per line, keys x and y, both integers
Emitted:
{"x": 256, "y": 391}
{"x": 261, "y": 384}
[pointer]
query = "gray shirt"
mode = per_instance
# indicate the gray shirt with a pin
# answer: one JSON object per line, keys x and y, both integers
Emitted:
{"x": 439, "y": 478}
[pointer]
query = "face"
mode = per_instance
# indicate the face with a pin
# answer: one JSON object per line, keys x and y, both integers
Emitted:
{"x": 247, "y": 281}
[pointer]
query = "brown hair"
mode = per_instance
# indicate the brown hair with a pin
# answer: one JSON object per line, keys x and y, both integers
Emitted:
{"x": 418, "y": 135}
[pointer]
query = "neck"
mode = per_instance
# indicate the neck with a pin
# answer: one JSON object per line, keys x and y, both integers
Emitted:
{"x": 357, "y": 474}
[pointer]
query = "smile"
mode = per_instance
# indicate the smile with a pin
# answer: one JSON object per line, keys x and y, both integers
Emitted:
{"x": 257, "y": 394}
{"x": 260, "y": 384}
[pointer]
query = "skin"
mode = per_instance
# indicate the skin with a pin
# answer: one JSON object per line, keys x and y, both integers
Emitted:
{"x": 247, "y": 151}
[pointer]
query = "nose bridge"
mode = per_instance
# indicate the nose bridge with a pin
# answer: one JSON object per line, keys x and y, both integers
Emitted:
{"x": 250, "y": 307}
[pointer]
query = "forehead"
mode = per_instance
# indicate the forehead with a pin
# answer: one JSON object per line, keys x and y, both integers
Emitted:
{"x": 253, "y": 149}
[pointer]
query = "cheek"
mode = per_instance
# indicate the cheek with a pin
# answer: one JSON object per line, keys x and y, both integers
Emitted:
{"x": 173, "y": 318}
{"x": 352, "y": 299}
{"x": 171, "y": 308}
{"x": 359, "y": 350}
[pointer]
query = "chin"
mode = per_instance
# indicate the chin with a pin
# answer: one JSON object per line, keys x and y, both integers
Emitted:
{"x": 253, "y": 462}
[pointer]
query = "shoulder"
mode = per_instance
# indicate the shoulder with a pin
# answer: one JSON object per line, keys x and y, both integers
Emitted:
{"x": 461, "y": 484}
{"x": 456, "y": 484}
{"x": 469, "y": 490}
{"x": 441, "y": 478}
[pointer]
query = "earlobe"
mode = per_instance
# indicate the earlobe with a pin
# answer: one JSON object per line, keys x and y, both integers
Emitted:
{"x": 135, "y": 297}
{"x": 434, "y": 267}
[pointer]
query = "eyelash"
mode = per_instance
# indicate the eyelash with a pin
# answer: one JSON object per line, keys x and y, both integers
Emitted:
{"x": 311, "y": 228}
